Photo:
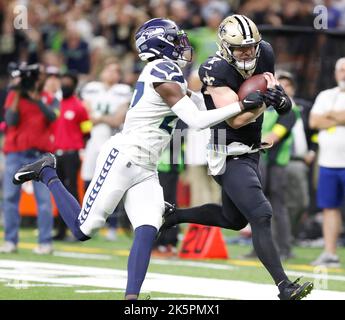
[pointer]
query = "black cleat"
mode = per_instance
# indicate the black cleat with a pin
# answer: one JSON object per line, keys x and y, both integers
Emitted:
{"x": 168, "y": 212}
{"x": 168, "y": 215}
{"x": 294, "y": 291}
{"x": 32, "y": 171}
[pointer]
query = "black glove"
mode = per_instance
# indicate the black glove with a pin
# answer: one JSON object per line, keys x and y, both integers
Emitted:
{"x": 278, "y": 99}
{"x": 252, "y": 101}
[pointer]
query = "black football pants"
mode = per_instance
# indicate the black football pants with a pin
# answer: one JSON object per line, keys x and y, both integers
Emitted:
{"x": 243, "y": 202}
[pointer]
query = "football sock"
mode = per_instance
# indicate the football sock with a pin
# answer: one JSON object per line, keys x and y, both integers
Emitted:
{"x": 265, "y": 249}
{"x": 68, "y": 206}
{"x": 139, "y": 258}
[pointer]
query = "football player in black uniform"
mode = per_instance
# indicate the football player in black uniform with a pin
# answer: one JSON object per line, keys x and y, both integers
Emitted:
{"x": 233, "y": 155}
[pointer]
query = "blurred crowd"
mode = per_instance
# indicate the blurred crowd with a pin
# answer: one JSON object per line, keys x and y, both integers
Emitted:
{"x": 94, "y": 39}
{"x": 79, "y": 34}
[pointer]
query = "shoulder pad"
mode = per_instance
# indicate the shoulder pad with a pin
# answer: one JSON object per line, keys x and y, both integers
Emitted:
{"x": 166, "y": 70}
{"x": 214, "y": 72}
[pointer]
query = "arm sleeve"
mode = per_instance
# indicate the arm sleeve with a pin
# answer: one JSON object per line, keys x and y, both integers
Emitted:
{"x": 49, "y": 111}
{"x": 198, "y": 100}
{"x": 11, "y": 117}
{"x": 189, "y": 113}
{"x": 284, "y": 124}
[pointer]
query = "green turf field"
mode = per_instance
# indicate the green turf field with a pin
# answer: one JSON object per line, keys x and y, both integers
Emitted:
{"x": 19, "y": 280}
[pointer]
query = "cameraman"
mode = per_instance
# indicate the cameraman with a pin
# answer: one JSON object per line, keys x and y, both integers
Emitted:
{"x": 29, "y": 115}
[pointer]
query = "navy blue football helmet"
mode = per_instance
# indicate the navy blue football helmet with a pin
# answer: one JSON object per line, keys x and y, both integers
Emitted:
{"x": 162, "y": 38}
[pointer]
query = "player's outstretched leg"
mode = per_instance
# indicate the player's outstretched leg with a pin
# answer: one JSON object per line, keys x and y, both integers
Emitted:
{"x": 138, "y": 260}
{"x": 209, "y": 214}
{"x": 44, "y": 170}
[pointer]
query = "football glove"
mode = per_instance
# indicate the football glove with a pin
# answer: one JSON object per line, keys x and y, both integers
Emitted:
{"x": 252, "y": 101}
{"x": 278, "y": 99}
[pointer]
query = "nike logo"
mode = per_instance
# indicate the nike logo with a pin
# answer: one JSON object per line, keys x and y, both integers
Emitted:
{"x": 208, "y": 68}
{"x": 248, "y": 101}
{"x": 19, "y": 174}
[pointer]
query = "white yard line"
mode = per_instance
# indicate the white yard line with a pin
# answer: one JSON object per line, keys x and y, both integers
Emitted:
{"x": 18, "y": 284}
{"x": 78, "y": 255}
{"x": 98, "y": 291}
{"x": 116, "y": 279}
{"x": 319, "y": 274}
{"x": 192, "y": 264}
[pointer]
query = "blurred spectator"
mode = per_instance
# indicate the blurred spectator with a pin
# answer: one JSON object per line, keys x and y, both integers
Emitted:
{"x": 78, "y": 17}
{"x": 70, "y": 129}
{"x": 52, "y": 84}
{"x": 107, "y": 101}
{"x": 328, "y": 116}
{"x": 204, "y": 39}
{"x": 52, "y": 59}
{"x": 99, "y": 50}
{"x": 340, "y": 5}
{"x": 179, "y": 12}
{"x": 13, "y": 42}
{"x": 277, "y": 129}
{"x": 158, "y": 8}
{"x": 75, "y": 50}
{"x": 208, "y": 8}
{"x": 28, "y": 135}
{"x": 333, "y": 14}
{"x": 170, "y": 165}
{"x": 297, "y": 191}
{"x": 203, "y": 188}
{"x": 262, "y": 12}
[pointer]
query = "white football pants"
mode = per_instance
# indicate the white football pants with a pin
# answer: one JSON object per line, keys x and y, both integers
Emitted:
{"x": 116, "y": 177}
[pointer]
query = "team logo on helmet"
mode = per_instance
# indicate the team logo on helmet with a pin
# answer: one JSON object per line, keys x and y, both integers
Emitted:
{"x": 161, "y": 38}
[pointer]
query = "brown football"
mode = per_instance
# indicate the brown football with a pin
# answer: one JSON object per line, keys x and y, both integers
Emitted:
{"x": 257, "y": 82}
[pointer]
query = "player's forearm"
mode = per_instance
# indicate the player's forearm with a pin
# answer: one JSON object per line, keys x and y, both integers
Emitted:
{"x": 199, "y": 101}
{"x": 245, "y": 118}
{"x": 188, "y": 112}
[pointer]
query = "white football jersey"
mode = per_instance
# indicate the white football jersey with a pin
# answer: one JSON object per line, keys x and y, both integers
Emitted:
{"x": 104, "y": 101}
{"x": 150, "y": 122}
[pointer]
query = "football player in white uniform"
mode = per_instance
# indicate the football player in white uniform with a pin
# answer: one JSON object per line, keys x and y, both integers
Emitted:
{"x": 107, "y": 101}
{"x": 126, "y": 165}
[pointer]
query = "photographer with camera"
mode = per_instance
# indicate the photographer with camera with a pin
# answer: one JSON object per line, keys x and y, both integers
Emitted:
{"x": 29, "y": 115}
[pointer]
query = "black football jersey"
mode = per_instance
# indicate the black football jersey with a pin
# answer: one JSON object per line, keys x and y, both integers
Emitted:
{"x": 217, "y": 72}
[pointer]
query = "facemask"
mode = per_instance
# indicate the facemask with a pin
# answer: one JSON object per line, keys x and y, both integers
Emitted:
{"x": 67, "y": 91}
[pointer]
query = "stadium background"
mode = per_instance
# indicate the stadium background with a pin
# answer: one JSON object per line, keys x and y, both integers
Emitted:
{"x": 106, "y": 28}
